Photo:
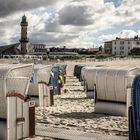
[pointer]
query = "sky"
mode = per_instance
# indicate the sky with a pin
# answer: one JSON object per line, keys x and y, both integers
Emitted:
{"x": 71, "y": 23}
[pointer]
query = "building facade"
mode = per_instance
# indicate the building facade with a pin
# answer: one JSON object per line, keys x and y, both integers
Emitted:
{"x": 39, "y": 49}
{"x": 108, "y": 47}
{"x": 122, "y": 47}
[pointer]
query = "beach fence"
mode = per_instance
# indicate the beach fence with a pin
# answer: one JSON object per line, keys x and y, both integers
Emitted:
{"x": 17, "y": 113}
{"x": 110, "y": 87}
{"x": 39, "y": 88}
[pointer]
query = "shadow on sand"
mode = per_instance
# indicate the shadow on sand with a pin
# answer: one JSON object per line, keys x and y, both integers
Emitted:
{"x": 74, "y": 99}
{"x": 80, "y": 115}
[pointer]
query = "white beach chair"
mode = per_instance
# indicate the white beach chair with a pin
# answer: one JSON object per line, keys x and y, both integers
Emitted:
{"x": 88, "y": 75}
{"x": 113, "y": 89}
{"x": 38, "y": 90}
{"x": 14, "y": 106}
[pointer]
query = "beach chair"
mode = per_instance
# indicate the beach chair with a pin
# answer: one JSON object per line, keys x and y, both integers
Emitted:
{"x": 16, "y": 109}
{"x": 63, "y": 73}
{"x": 77, "y": 70}
{"x": 54, "y": 80}
{"x": 134, "y": 111}
{"x": 113, "y": 89}
{"x": 45, "y": 91}
{"x": 88, "y": 76}
{"x": 39, "y": 85}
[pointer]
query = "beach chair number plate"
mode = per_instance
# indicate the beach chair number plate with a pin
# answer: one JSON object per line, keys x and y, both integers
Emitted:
{"x": 51, "y": 87}
{"x": 31, "y": 103}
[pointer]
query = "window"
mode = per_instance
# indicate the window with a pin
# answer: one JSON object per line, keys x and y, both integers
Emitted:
{"x": 128, "y": 47}
{"x": 121, "y": 42}
{"x": 128, "y": 42}
{"x": 121, "y": 47}
{"x": 114, "y": 48}
{"x": 115, "y": 42}
{"x": 121, "y": 53}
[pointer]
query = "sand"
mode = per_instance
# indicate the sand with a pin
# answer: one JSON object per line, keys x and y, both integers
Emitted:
{"x": 72, "y": 110}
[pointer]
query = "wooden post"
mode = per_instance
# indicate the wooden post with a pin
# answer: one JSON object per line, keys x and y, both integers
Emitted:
{"x": 64, "y": 79}
{"x": 59, "y": 89}
{"x": 51, "y": 96}
{"x": 31, "y": 118}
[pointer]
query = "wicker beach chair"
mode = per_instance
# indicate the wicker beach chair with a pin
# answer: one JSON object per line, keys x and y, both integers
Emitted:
{"x": 14, "y": 107}
{"x": 113, "y": 89}
{"x": 37, "y": 91}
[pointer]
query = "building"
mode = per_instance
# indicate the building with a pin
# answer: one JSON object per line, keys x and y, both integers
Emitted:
{"x": 24, "y": 47}
{"x": 39, "y": 49}
{"x": 62, "y": 54}
{"x": 93, "y": 50}
{"x": 63, "y": 49}
{"x": 96, "y": 50}
{"x": 9, "y": 49}
{"x": 108, "y": 47}
{"x": 122, "y": 46}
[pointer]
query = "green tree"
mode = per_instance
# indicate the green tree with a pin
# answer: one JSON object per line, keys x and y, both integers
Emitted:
{"x": 135, "y": 51}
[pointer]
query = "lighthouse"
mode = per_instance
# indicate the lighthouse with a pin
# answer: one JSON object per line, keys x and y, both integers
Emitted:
{"x": 24, "y": 39}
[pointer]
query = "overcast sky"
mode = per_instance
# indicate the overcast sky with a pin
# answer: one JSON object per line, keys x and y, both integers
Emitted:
{"x": 74, "y": 23}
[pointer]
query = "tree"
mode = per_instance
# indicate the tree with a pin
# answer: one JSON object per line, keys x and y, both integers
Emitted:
{"x": 135, "y": 51}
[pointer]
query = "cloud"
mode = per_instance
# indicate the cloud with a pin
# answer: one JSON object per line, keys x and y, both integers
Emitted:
{"x": 70, "y": 22}
{"x": 128, "y": 12}
{"x": 130, "y": 2}
{"x": 9, "y": 29}
{"x": 122, "y": 34}
{"x": 52, "y": 24}
{"x": 52, "y": 38}
{"x": 75, "y": 15}
{"x": 11, "y": 6}
{"x": 79, "y": 12}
